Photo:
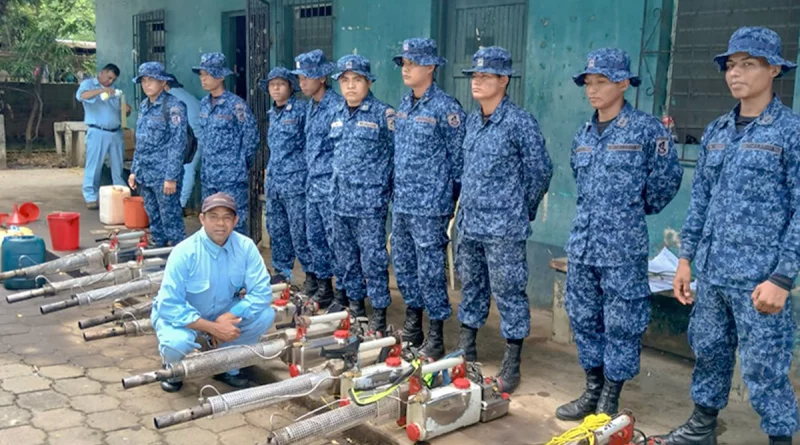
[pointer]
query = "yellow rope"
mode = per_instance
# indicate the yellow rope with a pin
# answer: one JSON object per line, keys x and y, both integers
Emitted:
{"x": 584, "y": 431}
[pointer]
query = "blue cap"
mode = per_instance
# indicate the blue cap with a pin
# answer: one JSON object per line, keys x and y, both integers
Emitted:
{"x": 420, "y": 51}
{"x": 214, "y": 64}
{"x": 612, "y": 63}
{"x": 355, "y": 63}
{"x": 313, "y": 65}
{"x": 154, "y": 70}
{"x": 758, "y": 42}
{"x": 279, "y": 73}
{"x": 492, "y": 60}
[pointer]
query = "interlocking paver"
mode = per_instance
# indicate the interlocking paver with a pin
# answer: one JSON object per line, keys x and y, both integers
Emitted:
{"x": 57, "y": 419}
{"x": 42, "y": 400}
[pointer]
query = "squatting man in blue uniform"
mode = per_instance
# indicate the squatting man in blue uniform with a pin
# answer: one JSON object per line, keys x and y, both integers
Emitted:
{"x": 228, "y": 137}
{"x": 507, "y": 172}
{"x": 157, "y": 170}
{"x": 361, "y": 131}
{"x": 201, "y": 293}
{"x": 313, "y": 69}
{"x": 104, "y": 137}
{"x": 625, "y": 167}
{"x": 285, "y": 178}
{"x": 742, "y": 233}
{"x": 428, "y": 159}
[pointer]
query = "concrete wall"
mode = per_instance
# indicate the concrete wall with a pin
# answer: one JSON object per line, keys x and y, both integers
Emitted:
{"x": 377, "y": 32}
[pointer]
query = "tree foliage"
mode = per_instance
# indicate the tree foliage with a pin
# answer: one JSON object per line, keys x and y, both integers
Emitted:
{"x": 30, "y": 30}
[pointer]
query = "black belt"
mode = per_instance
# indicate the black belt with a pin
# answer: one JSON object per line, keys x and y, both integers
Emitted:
{"x": 110, "y": 130}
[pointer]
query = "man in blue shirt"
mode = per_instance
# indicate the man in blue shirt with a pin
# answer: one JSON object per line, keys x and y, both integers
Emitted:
{"x": 229, "y": 137}
{"x": 158, "y": 160}
{"x": 507, "y": 172}
{"x": 742, "y": 232}
{"x": 428, "y": 157}
{"x": 192, "y": 103}
{"x": 101, "y": 108}
{"x": 201, "y": 293}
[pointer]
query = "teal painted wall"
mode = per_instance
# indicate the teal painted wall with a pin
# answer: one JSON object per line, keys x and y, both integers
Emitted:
{"x": 377, "y": 32}
{"x": 193, "y": 27}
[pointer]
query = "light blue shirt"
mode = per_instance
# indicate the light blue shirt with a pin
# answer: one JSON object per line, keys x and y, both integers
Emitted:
{"x": 99, "y": 112}
{"x": 192, "y": 107}
{"x": 203, "y": 279}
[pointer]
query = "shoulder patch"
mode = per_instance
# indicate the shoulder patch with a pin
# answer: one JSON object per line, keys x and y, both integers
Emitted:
{"x": 454, "y": 119}
{"x": 390, "y": 116}
{"x": 662, "y": 146}
{"x": 240, "y": 110}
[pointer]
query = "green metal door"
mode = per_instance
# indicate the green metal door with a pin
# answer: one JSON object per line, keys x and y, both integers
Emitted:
{"x": 471, "y": 24}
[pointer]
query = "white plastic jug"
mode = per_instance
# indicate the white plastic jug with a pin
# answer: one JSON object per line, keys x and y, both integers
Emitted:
{"x": 112, "y": 210}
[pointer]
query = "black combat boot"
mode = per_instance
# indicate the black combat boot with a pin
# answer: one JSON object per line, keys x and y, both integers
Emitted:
{"x": 311, "y": 286}
{"x": 324, "y": 295}
{"x": 587, "y": 403}
{"x": 377, "y": 322}
{"x": 340, "y": 300}
{"x": 700, "y": 429}
{"x": 780, "y": 440}
{"x": 358, "y": 308}
{"x": 609, "y": 398}
{"x": 412, "y": 329}
{"x": 466, "y": 343}
{"x": 433, "y": 347}
{"x": 509, "y": 377}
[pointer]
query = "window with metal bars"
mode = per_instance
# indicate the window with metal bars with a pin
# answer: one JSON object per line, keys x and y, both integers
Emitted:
{"x": 312, "y": 26}
{"x": 149, "y": 41}
{"x": 697, "y": 92}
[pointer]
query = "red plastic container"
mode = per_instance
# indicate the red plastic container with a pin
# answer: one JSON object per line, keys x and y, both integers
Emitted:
{"x": 135, "y": 215}
{"x": 65, "y": 230}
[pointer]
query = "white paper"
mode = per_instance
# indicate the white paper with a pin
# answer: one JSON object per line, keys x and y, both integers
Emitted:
{"x": 661, "y": 271}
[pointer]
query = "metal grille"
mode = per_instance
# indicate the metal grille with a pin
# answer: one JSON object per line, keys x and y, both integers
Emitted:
{"x": 149, "y": 41}
{"x": 697, "y": 90}
{"x": 313, "y": 28}
{"x": 258, "y": 45}
{"x": 472, "y": 24}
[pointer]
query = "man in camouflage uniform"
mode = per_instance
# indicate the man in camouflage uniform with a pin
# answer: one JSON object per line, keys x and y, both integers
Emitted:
{"x": 506, "y": 174}
{"x": 625, "y": 167}
{"x": 157, "y": 168}
{"x": 428, "y": 159}
{"x": 742, "y": 232}
{"x": 228, "y": 137}
{"x": 313, "y": 69}
{"x": 361, "y": 132}
{"x": 286, "y": 178}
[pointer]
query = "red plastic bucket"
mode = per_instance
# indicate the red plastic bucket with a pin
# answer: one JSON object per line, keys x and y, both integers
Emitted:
{"x": 135, "y": 215}
{"x": 65, "y": 230}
